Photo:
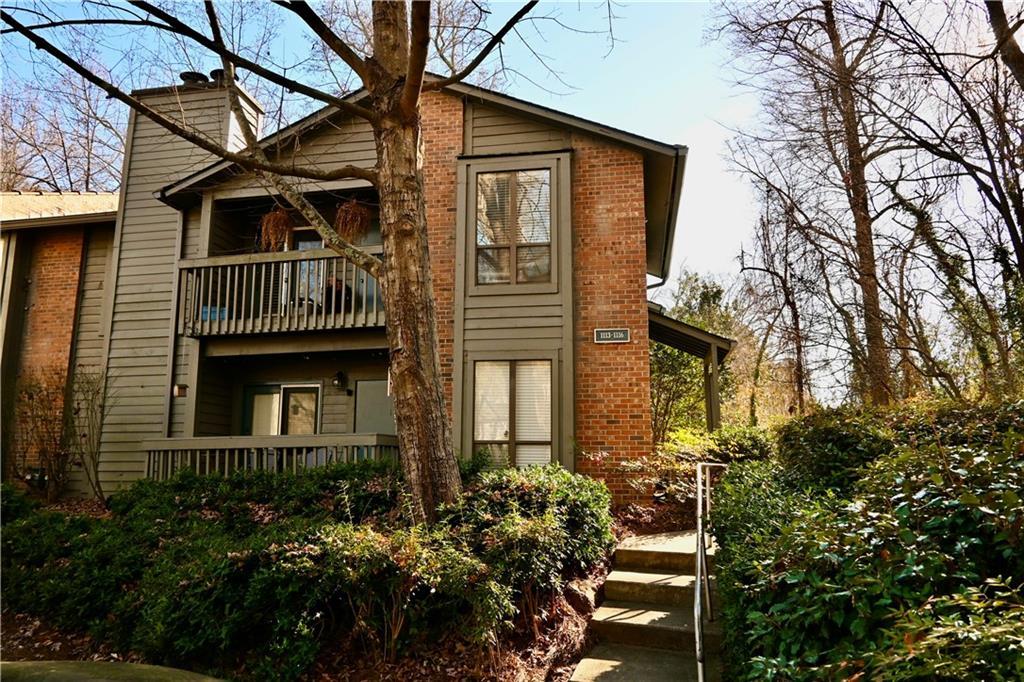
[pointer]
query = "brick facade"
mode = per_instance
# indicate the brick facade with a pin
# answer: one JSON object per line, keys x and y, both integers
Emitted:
{"x": 441, "y": 119}
{"x": 51, "y": 294}
{"x": 612, "y": 395}
{"x": 613, "y": 402}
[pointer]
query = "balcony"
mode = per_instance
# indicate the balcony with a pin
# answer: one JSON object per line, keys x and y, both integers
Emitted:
{"x": 266, "y": 293}
{"x": 227, "y": 454}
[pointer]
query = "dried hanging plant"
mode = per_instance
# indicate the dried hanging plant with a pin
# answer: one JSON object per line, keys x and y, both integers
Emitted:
{"x": 352, "y": 221}
{"x": 274, "y": 228}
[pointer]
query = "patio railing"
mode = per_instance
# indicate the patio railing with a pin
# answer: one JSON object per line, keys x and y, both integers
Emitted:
{"x": 263, "y": 293}
{"x": 227, "y": 454}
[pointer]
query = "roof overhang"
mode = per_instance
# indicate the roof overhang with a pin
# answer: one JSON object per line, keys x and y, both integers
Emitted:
{"x": 685, "y": 337}
{"x": 59, "y": 220}
{"x": 664, "y": 164}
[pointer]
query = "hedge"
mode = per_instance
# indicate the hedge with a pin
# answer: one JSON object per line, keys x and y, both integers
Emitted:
{"x": 248, "y": 575}
{"x": 903, "y": 563}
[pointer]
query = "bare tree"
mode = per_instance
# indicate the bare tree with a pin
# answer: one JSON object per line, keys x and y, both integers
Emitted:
{"x": 89, "y": 405}
{"x": 393, "y": 79}
{"x": 814, "y": 55}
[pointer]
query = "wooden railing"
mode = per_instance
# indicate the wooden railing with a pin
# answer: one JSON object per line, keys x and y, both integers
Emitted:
{"x": 276, "y": 292}
{"x": 227, "y": 454}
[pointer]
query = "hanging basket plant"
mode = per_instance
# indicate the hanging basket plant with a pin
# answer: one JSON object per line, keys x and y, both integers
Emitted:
{"x": 352, "y": 221}
{"x": 275, "y": 227}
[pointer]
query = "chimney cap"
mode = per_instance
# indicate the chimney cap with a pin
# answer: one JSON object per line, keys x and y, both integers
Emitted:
{"x": 192, "y": 77}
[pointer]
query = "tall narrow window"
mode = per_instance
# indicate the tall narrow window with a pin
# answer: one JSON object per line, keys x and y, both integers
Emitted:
{"x": 512, "y": 411}
{"x": 513, "y": 227}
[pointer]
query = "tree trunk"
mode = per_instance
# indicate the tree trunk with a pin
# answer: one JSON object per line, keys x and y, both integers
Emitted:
{"x": 1009, "y": 49}
{"x": 424, "y": 434}
{"x": 877, "y": 361}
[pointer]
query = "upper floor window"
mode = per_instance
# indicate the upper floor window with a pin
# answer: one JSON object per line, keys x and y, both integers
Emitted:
{"x": 513, "y": 227}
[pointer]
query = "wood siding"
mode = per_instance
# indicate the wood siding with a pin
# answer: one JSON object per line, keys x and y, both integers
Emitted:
{"x": 502, "y": 322}
{"x": 490, "y": 130}
{"x": 146, "y": 250}
{"x": 89, "y": 331}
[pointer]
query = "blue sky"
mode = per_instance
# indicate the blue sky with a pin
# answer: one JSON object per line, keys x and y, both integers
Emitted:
{"x": 666, "y": 80}
{"x": 662, "y": 79}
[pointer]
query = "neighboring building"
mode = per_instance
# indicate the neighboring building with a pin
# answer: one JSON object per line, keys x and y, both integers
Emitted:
{"x": 543, "y": 231}
{"x": 54, "y": 253}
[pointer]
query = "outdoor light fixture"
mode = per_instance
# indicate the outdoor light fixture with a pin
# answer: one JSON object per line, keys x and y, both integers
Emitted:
{"x": 179, "y": 390}
{"x": 340, "y": 381}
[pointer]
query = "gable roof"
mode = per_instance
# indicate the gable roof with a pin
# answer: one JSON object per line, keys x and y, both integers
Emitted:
{"x": 664, "y": 164}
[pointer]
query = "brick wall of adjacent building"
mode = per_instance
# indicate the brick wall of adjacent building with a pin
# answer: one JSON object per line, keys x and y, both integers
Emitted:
{"x": 51, "y": 294}
{"x": 442, "y": 133}
{"x": 613, "y": 405}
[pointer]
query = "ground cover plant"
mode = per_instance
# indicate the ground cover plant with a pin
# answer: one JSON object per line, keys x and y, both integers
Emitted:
{"x": 667, "y": 477}
{"x": 885, "y": 545}
{"x": 248, "y": 576}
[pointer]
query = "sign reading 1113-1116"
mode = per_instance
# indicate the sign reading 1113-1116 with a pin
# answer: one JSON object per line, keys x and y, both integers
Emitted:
{"x": 611, "y": 336}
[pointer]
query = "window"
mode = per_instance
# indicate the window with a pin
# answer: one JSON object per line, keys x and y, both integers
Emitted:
{"x": 513, "y": 227}
{"x": 512, "y": 411}
{"x": 281, "y": 409}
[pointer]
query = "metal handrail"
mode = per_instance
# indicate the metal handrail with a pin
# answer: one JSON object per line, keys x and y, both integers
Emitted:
{"x": 703, "y": 582}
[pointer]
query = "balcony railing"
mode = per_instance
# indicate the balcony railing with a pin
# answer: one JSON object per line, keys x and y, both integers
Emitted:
{"x": 227, "y": 454}
{"x": 276, "y": 292}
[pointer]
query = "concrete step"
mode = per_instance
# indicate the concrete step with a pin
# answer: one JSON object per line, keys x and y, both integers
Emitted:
{"x": 651, "y": 625}
{"x": 674, "y": 552}
{"x": 622, "y": 663}
{"x": 651, "y": 587}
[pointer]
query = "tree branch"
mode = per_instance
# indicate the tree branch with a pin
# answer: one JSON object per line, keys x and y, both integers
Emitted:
{"x": 327, "y": 34}
{"x": 418, "y": 46}
{"x": 1009, "y": 50}
{"x": 175, "y": 25}
{"x": 181, "y": 130}
{"x": 487, "y": 49}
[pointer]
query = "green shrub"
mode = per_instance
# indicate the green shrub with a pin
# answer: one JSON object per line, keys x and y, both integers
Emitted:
{"x": 248, "y": 575}
{"x": 575, "y": 509}
{"x": 827, "y": 449}
{"x": 815, "y": 587}
{"x": 14, "y": 503}
{"x": 738, "y": 443}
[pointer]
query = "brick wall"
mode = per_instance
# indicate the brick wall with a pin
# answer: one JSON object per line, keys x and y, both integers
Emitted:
{"x": 442, "y": 133}
{"x": 51, "y": 294}
{"x": 613, "y": 406}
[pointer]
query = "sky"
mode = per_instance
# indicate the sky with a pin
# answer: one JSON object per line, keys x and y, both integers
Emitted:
{"x": 664, "y": 79}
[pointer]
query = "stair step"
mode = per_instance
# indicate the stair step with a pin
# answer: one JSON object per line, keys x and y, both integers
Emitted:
{"x": 623, "y": 663}
{"x": 661, "y": 552}
{"x": 651, "y": 587}
{"x": 658, "y": 626}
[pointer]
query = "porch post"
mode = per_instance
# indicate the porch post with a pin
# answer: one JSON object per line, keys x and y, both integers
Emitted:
{"x": 711, "y": 389}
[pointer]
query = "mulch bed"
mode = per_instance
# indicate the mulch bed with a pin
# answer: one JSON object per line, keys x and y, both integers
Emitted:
{"x": 82, "y": 507}
{"x": 662, "y": 517}
{"x": 27, "y": 638}
{"x": 551, "y": 656}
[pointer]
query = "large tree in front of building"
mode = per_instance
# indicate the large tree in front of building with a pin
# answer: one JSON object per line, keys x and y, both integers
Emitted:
{"x": 391, "y": 69}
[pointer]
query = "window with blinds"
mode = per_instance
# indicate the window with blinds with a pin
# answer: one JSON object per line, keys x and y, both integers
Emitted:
{"x": 513, "y": 227}
{"x": 512, "y": 411}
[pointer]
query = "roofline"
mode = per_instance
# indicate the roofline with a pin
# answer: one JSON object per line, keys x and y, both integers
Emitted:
{"x": 621, "y": 136}
{"x": 59, "y": 220}
{"x": 187, "y": 87}
{"x": 624, "y": 136}
{"x": 656, "y": 312}
{"x": 672, "y": 211}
